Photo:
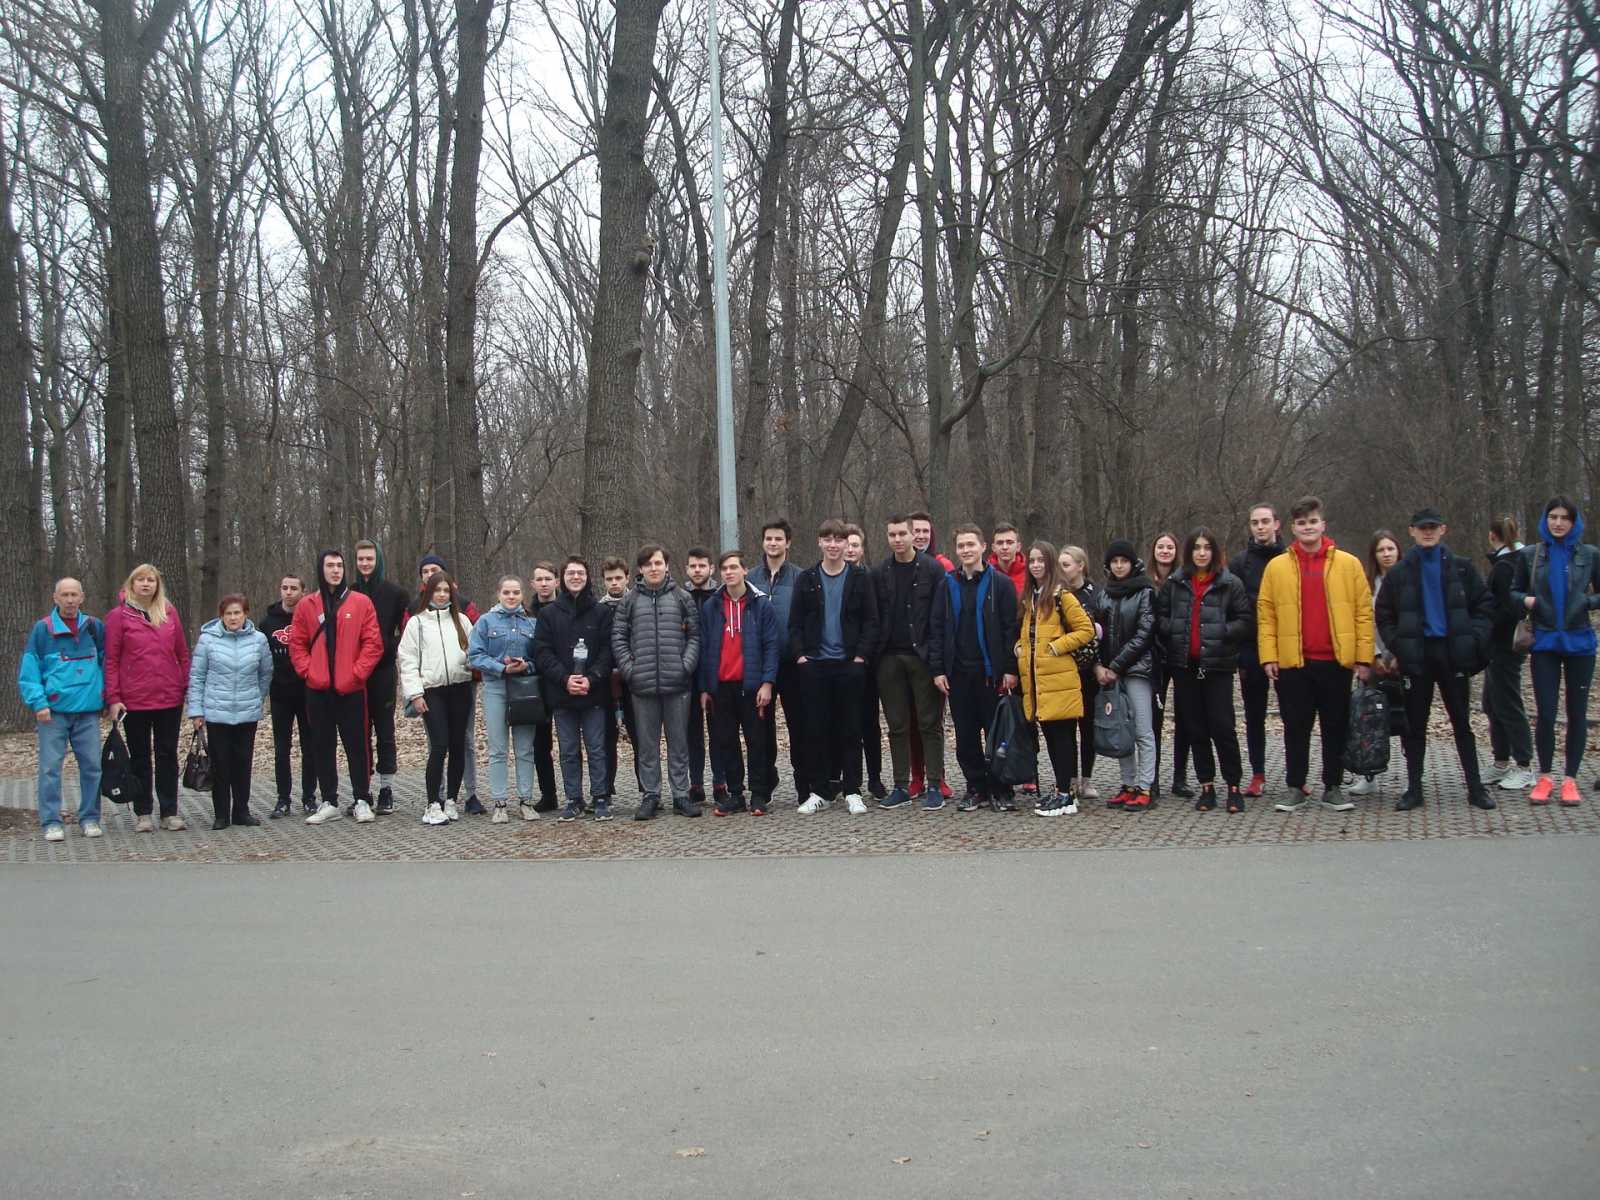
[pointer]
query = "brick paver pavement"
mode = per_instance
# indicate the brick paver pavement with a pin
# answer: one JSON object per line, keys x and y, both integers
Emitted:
{"x": 785, "y": 833}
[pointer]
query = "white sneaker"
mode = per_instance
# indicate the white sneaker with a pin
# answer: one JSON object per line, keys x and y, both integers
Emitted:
{"x": 435, "y": 815}
{"x": 92, "y": 829}
{"x": 1361, "y": 787}
{"x": 1518, "y": 779}
{"x": 325, "y": 812}
{"x": 500, "y": 817}
{"x": 1071, "y": 810}
{"x": 363, "y": 813}
{"x": 854, "y": 804}
{"x": 451, "y": 812}
{"x": 173, "y": 824}
{"x": 527, "y": 812}
{"x": 813, "y": 805}
{"x": 54, "y": 833}
{"x": 1497, "y": 772}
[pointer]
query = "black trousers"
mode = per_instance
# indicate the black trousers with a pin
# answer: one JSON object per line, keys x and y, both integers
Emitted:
{"x": 1090, "y": 686}
{"x": 289, "y": 719}
{"x": 1205, "y": 706}
{"x": 157, "y": 727}
{"x": 233, "y": 749}
{"x": 1061, "y": 740}
{"x": 544, "y": 764}
{"x": 789, "y": 696}
{"x": 625, "y": 703}
{"x": 973, "y": 699}
{"x": 831, "y": 726}
{"x": 1180, "y": 735}
{"x": 446, "y": 723}
{"x": 702, "y": 749}
{"x": 381, "y": 690}
{"x": 733, "y": 711}
{"x": 1253, "y": 689}
{"x": 337, "y": 718}
{"x": 1509, "y": 736}
{"x": 1317, "y": 693}
{"x": 1456, "y": 692}
{"x": 871, "y": 730}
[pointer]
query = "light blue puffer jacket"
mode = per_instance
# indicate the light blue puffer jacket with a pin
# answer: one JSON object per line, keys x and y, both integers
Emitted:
{"x": 229, "y": 674}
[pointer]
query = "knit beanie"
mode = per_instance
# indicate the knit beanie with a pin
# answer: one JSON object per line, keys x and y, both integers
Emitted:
{"x": 430, "y": 558}
{"x": 1121, "y": 548}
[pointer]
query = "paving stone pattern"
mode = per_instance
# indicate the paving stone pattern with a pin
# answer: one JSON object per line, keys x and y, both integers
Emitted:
{"x": 784, "y": 832}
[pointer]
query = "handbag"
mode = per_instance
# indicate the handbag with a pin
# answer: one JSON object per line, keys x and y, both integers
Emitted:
{"x": 1113, "y": 722}
{"x": 1086, "y": 655}
{"x": 409, "y": 709}
{"x": 1013, "y": 753}
{"x": 524, "y": 700}
{"x": 1522, "y": 639}
{"x": 118, "y": 783}
{"x": 197, "y": 763}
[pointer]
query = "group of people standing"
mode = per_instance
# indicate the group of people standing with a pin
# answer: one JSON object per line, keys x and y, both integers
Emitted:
{"x": 706, "y": 665}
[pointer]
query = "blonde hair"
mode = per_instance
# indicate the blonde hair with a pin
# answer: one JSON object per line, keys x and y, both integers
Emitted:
{"x": 1080, "y": 557}
{"x": 157, "y": 610}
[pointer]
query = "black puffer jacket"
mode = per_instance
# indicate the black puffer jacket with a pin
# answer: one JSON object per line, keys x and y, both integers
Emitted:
{"x": 1249, "y": 565}
{"x": 1127, "y": 612}
{"x": 655, "y": 639}
{"x": 1502, "y": 576}
{"x": 1227, "y": 621}
{"x": 1469, "y": 613}
{"x": 561, "y": 623}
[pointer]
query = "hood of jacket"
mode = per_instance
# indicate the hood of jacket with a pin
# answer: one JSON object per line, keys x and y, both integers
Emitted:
{"x": 373, "y": 582}
{"x": 215, "y": 628}
{"x": 1573, "y": 535}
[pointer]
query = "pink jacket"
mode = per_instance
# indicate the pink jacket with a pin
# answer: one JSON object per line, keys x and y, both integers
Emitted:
{"x": 147, "y": 666}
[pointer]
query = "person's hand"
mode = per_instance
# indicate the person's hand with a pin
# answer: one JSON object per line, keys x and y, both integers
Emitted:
{"x": 858, "y": 659}
{"x": 43, "y": 716}
{"x": 516, "y": 666}
{"x": 577, "y": 685}
{"x": 1007, "y": 682}
{"x": 801, "y": 661}
{"x": 942, "y": 682}
{"x": 419, "y": 703}
{"x": 1364, "y": 672}
{"x": 199, "y": 723}
{"x": 117, "y": 710}
{"x": 1270, "y": 670}
{"x": 1105, "y": 676}
{"x": 763, "y": 699}
{"x": 1528, "y": 602}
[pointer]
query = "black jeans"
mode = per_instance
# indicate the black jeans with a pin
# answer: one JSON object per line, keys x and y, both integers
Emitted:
{"x": 790, "y": 697}
{"x": 702, "y": 749}
{"x": 1547, "y": 672}
{"x": 831, "y": 724}
{"x": 1456, "y": 692}
{"x": 233, "y": 748}
{"x": 1061, "y": 740}
{"x": 973, "y": 699}
{"x": 733, "y": 711}
{"x": 1205, "y": 706}
{"x": 288, "y": 719}
{"x": 380, "y": 714}
{"x": 544, "y": 765}
{"x": 1315, "y": 694}
{"x": 1180, "y": 735}
{"x": 157, "y": 726}
{"x": 871, "y": 731}
{"x": 1502, "y": 704}
{"x": 446, "y": 723}
{"x": 1253, "y": 690}
{"x": 1090, "y": 686}
{"x": 337, "y": 718}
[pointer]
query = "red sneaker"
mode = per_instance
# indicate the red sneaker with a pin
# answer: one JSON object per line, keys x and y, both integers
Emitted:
{"x": 1569, "y": 792}
{"x": 1541, "y": 791}
{"x": 916, "y": 785}
{"x": 1138, "y": 802}
{"x": 1258, "y": 785}
{"x": 944, "y": 790}
{"x": 1120, "y": 799}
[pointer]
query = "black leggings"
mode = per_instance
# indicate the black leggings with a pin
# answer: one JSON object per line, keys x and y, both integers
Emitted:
{"x": 1547, "y": 672}
{"x": 1060, "y": 739}
{"x": 446, "y": 722}
{"x": 1091, "y": 688}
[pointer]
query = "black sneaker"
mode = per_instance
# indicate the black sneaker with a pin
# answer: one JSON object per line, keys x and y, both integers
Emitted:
{"x": 1006, "y": 802}
{"x": 687, "y": 808}
{"x": 1412, "y": 798}
{"x": 475, "y": 807}
{"x": 697, "y": 794}
{"x": 647, "y": 808}
{"x": 308, "y": 805}
{"x": 385, "y": 802}
{"x": 895, "y": 798}
{"x": 281, "y": 809}
{"x": 1479, "y": 797}
{"x": 1181, "y": 790}
{"x": 1207, "y": 800}
{"x": 970, "y": 802}
{"x": 547, "y": 804}
{"x": 876, "y": 789}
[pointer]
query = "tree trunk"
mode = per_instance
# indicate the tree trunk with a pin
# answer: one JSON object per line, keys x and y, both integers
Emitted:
{"x": 15, "y": 473}
{"x": 626, "y": 186}
{"x": 118, "y": 556}
{"x": 127, "y": 46}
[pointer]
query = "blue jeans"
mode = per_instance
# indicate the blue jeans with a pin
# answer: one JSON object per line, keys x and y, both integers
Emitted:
{"x": 82, "y": 732}
{"x": 582, "y": 731}
{"x": 503, "y": 737}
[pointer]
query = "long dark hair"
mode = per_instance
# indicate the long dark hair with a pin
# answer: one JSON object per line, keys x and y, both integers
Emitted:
{"x": 432, "y": 586}
{"x": 1054, "y": 580}
{"x": 1378, "y": 535}
{"x": 1219, "y": 556}
{"x": 1158, "y": 576}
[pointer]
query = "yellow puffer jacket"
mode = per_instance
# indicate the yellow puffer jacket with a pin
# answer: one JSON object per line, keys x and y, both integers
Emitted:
{"x": 1045, "y": 666}
{"x": 1349, "y": 610}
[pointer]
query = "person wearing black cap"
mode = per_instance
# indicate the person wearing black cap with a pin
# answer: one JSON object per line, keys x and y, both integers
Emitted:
{"x": 1127, "y": 614}
{"x": 1435, "y": 615}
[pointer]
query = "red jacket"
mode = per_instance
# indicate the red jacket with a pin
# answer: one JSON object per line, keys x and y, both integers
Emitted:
{"x": 147, "y": 666}
{"x": 357, "y": 650}
{"x": 1017, "y": 572}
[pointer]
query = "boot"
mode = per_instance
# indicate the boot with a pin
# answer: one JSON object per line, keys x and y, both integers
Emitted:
{"x": 647, "y": 808}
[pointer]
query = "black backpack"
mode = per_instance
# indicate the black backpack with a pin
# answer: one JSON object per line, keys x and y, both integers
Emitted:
{"x": 118, "y": 783}
{"x": 1013, "y": 752}
{"x": 1366, "y": 748}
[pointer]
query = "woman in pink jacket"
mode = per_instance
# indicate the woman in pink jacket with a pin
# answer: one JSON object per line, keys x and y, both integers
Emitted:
{"x": 147, "y": 674}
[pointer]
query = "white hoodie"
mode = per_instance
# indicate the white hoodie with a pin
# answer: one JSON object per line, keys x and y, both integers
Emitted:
{"x": 430, "y": 653}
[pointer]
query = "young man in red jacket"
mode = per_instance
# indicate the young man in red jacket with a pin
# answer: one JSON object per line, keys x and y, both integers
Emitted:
{"x": 335, "y": 645}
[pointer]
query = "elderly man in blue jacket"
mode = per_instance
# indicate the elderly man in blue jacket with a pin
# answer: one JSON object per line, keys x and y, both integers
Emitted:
{"x": 739, "y": 642}
{"x": 61, "y": 677}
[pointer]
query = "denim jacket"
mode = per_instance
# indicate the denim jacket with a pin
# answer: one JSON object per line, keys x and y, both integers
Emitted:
{"x": 500, "y": 634}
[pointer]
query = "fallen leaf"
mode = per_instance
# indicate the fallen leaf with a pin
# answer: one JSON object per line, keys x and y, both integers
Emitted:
{"x": 982, "y": 1133}
{"x": 903, "y": 1161}
{"x": 490, "y": 1053}
{"x": 1144, "y": 1145}
{"x": 691, "y": 1152}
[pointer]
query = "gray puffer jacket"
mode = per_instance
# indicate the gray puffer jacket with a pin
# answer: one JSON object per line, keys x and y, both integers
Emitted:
{"x": 655, "y": 639}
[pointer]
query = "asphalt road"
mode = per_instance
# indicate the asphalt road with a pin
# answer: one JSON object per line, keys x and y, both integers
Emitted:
{"x": 1393, "y": 1020}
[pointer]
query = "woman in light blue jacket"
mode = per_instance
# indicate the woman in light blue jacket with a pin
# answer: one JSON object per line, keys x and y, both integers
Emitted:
{"x": 501, "y": 647}
{"x": 229, "y": 675}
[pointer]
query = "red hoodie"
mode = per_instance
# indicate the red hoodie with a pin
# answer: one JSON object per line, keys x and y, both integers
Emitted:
{"x": 1316, "y": 632}
{"x": 356, "y": 651}
{"x": 1017, "y": 572}
{"x": 1200, "y": 585}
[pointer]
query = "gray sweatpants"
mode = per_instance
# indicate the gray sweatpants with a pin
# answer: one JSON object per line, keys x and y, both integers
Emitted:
{"x": 1139, "y": 768}
{"x": 652, "y": 714}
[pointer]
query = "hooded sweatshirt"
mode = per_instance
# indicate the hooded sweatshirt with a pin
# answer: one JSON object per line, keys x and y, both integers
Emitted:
{"x": 389, "y": 602}
{"x": 334, "y": 639}
{"x": 1560, "y": 553}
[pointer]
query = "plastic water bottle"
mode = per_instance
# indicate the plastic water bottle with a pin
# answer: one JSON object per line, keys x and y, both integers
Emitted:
{"x": 580, "y": 658}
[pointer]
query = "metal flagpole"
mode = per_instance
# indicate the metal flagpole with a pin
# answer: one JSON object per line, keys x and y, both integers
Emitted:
{"x": 726, "y": 480}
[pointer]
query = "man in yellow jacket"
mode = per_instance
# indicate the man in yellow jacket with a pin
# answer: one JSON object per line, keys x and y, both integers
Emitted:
{"x": 1313, "y": 631}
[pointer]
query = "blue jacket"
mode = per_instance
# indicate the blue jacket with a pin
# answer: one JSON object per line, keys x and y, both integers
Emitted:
{"x": 1564, "y": 579}
{"x": 229, "y": 674}
{"x": 497, "y": 636}
{"x": 779, "y": 593}
{"x": 762, "y": 639}
{"x": 62, "y": 671}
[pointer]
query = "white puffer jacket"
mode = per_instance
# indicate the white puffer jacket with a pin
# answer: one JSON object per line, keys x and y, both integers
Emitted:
{"x": 430, "y": 653}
